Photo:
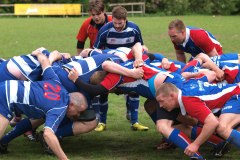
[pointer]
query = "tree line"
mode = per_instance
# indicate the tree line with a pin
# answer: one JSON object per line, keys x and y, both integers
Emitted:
{"x": 161, "y": 7}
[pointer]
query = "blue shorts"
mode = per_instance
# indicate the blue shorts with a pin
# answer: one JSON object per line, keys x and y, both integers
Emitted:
{"x": 5, "y": 74}
{"x": 232, "y": 105}
{"x": 4, "y": 108}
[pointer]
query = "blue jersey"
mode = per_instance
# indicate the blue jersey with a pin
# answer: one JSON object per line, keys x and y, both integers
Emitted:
{"x": 198, "y": 98}
{"x": 199, "y": 41}
{"x": 29, "y": 65}
{"x": 143, "y": 87}
{"x": 87, "y": 66}
{"x": 227, "y": 58}
{"x": 42, "y": 99}
{"x": 109, "y": 38}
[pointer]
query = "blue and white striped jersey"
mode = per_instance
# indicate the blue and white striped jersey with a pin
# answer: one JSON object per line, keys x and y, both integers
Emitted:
{"x": 41, "y": 99}
{"x": 87, "y": 66}
{"x": 109, "y": 38}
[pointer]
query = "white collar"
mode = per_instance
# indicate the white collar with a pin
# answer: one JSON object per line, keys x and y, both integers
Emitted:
{"x": 187, "y": 37}
{"x": 183, "y": 111}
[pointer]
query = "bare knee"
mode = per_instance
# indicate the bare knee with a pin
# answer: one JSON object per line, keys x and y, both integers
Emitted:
{"x": 165, "y": 127}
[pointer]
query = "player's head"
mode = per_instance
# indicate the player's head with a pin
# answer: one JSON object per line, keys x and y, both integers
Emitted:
{"x": 166, "y": 95}
{"x": 119, "y": 15}
{"x": 177, "y": 31}
{"x": 97, "y": 77}
{"x": 97, "y": 9}
{"x": 78, "y": 103}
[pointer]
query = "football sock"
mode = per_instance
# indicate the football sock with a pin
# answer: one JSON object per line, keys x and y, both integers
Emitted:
{"x": 214, "y": 140}
{"x": 95, "y": 105}
{"x": 234, "y": 138}
{"x": 133, "y": 105}
{"x": 182, "y": 141}
{"x": 22, "y": 127}
{"x": 103, "y": 111}
{"x": 65, "y": 131}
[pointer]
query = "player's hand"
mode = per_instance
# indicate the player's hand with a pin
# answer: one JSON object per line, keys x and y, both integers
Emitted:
{"x": 121, "y": 55}
{"x": 73, "y": 74}
{"x": 220, "y": 75}
{"x": 138, "y": 63}
{"x": 191, "y": 149}
{"x": 186, "y": 75}
{"x": 35, "y": 53}
{"x": 66, "y": 55}
{"x": 54, "y": 56}
{"x": 145, "y": 48}
{"x": 137, "y": 73}
{"x": 165, "y": 64}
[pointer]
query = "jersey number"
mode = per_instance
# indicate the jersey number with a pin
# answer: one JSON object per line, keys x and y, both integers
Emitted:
{"x": 51, "y": 95}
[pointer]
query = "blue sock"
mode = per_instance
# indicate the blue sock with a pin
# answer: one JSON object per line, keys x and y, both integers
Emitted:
{"x": 65, "y": 131}
{"x": 22, "y": 127}
{"x": 154, "y": 117}
{"x": 95, "y": 105}
{"x": 182, "y": 141}
{"x": 103, "y": 111}
{"x": 234, "y": 138}
{"x": 133, "y": 105}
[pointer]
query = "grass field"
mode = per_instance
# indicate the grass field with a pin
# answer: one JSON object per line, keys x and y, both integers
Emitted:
{"x": 22, "y": 35}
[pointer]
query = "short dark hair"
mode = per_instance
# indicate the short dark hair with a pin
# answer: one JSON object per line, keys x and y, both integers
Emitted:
{"x": 97, "y": 6}
{"x": 97, "y": 77}
{"x": 119, "y": 12}
{"x": 178, "y": 24}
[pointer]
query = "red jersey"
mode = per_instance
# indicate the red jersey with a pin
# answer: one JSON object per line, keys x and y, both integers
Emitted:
{"x": 90, "y": 29}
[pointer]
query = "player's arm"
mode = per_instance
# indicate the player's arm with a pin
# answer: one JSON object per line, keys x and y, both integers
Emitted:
{"x": 82, "y": 36}
{"x": 112, "y": 67}
{"x": 181, "y": 56}
{"x": 208, "y": 63}
{"x": 80, "y": 46}
{"x": 53, "y": 143}
{"x": 137, "y": 53}
{"x": 220, "y": 75}
{"x": 210, "y": 124}
{"x": 42, "y": 59}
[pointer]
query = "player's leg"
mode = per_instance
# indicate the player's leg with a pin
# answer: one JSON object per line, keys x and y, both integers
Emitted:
{"x": 103, "y": 108}
{"x": 133, "y": 106}
{"x": 128, "y": 114}
{"x": 227, "y": 121}
{"x": 3, "y": 126}
{"x": 164, "y": 126}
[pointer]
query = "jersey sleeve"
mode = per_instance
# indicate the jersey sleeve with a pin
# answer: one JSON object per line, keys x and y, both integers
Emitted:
{"x": 195, "y": 108}
{"x": 54, "y": 118}
{"x": 101, "y": 38}
{"x": 111, "y": 81}
{"x": 138, "y": 36}
{"x": 202, "y": 40}
{"x": 82, "y": 34}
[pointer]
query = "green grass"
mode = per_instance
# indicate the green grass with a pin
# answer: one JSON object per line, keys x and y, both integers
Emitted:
{"x": 22, "y": 35}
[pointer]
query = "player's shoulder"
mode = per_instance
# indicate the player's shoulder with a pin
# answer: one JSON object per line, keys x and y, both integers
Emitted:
{"x": 132, "y": 24}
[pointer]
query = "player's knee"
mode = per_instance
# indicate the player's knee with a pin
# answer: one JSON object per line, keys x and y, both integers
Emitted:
{"x": 221, "y": 129}
{"x": 163, "y": 128}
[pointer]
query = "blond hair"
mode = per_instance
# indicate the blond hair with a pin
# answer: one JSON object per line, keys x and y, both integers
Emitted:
{"x": 165, "y": 89}
{"x": 178, "y": 24}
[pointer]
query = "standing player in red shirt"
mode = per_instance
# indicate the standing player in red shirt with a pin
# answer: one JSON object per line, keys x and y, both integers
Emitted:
{"x": 91, "y": 26}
